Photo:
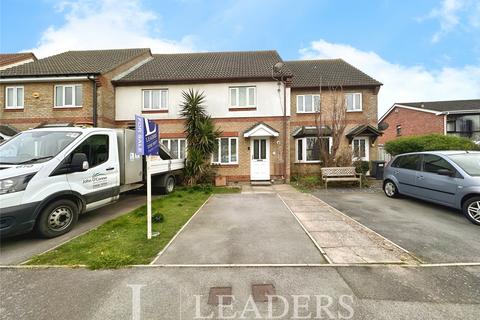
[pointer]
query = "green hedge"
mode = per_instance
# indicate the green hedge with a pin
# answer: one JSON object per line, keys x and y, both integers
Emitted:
{"x": 431, "y": 142}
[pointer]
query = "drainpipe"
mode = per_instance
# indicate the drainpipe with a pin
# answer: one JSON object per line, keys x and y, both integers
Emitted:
{"x": 94, "y": 100}
{"x": 285, "y": 158}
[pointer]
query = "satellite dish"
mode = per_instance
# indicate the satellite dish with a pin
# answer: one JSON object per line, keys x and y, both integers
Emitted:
{"x": 278, "y": 66}
{"x": 382, "y": 126}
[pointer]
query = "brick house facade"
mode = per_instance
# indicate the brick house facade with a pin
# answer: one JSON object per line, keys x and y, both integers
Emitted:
{"x": 457, "y": 117}
{"x": 39, "y": 79}
{"x": 254, "y": 105}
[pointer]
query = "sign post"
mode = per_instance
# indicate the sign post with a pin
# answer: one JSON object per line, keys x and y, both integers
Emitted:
{"x": 146, "y": 143}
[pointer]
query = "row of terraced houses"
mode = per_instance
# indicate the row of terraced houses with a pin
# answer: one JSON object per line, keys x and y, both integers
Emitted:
{"x": 266, "y": 114}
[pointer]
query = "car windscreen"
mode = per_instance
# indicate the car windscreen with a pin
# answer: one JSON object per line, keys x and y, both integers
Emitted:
{"x": 35, "y": 146}
{"x": 469, "y": 162}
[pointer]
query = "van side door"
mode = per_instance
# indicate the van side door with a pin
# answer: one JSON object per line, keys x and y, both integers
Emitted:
{"x": 436, "y": 187}
{"x": 405, "y": 169}
{"x": 99, "y": 184}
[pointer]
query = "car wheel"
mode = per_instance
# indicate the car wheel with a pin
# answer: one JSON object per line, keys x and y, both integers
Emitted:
{"x": 471, "y": 210}
{"x": 57, "y": 218}
{"x": 390, "y": 189}
{"x": 169, "y": 185}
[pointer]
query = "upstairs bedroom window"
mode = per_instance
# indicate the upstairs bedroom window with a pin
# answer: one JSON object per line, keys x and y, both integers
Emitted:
{"x": 243, "y": 97}
{"x": 14, "y": 97}
{"x": 68, "y": 96}
{"x": 308, "y": 103}
{"x": 353, "y": 102}
{"x": 155, "y": 99}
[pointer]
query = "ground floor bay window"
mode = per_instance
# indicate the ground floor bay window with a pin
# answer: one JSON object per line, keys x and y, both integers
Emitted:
{"x": 309, "y": 149}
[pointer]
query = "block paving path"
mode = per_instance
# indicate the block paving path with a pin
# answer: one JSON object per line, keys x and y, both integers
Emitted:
{"x": 338, "y": 237}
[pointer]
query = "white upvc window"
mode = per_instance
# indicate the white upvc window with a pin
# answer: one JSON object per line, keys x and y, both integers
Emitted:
{"x": 68, "y": 96}
{"x": 308, "y": 103}
{"x": 353, "y": 101}
{"x": 155, "y": 99}
{"x": 14, "y": 97}
{"x": 360, "y": 149}
{"x": 177, "y": 147}
{"x": 243, "y": 96}
{"x": 226, "y": 151}
{"x": 308, "y": 149}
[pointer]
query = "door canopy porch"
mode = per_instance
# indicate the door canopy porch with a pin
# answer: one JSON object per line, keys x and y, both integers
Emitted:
{"x": 364, "y": 130}
{"x": 261, "y": 130}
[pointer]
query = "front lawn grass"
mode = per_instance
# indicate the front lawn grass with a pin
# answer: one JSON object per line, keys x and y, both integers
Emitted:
{"x": 123, "y": 241}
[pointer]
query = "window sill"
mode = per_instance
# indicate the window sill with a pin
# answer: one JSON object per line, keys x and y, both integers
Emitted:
{"x": 225, "y": 165}
{"x": 155, "y": 111}
{"x": 11, "y": 109}
{"x": 67, "y": 108}
{"x": 242, "y": 108}
{"x": 308, "y": 112}
{"x": 308, "y": 162}
{"x": 349, "y": 111}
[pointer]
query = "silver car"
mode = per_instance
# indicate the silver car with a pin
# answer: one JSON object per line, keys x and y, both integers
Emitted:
{"x": 450, "y": 178}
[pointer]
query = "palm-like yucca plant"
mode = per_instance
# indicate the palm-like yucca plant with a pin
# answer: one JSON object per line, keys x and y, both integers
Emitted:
{"x": 201, "y": 135}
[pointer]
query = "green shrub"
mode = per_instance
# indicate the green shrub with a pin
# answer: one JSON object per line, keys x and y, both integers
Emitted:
{"x": 361, "y": 166}
{"x": 432, "y": 142}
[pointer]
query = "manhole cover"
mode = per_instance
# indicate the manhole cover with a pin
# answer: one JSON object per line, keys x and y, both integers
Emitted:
{"x": 216, "y": 293}
{"x": 262, "y": 291}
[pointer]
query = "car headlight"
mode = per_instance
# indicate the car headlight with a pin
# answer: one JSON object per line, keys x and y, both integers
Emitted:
{"x": 15, "y": 184}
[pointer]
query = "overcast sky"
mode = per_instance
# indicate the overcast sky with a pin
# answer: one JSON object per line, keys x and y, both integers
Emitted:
{"x": 421, "y": 50}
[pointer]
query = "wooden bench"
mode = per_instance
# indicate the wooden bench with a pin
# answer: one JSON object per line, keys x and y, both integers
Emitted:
{"x": 340, "y": 174}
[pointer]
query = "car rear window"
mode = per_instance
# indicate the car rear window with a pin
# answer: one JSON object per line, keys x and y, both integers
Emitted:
{"x": 411, "y": 162}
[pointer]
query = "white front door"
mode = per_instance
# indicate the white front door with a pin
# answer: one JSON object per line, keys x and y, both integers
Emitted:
{"x": 260, "y": 155}
{"x": 361, "y": 149}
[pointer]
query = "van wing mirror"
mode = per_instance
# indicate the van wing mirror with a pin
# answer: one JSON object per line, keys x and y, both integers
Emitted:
{"x": 445, "y": 172}
{"x": 79, "y": 162}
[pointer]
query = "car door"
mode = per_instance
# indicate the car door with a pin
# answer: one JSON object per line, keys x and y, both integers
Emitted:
{"x": 99, "y": 184}
{"x": 436, "y": 187}
{"x": 405, "y": 169}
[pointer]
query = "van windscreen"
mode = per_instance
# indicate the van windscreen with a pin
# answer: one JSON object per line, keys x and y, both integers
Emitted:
{"x": 35, "y": 146}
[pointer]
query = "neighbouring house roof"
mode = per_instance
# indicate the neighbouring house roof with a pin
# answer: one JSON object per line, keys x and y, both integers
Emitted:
{"x": 206, "y": 66}
{"x": 438, "y": 107}
{"x": 75, "y": 63}
{"x": 363, "y": 130}
{"x": 260, "y": 129}
{"x": 307, "y": 131}
{"x": 327, "y": 73}
{"x": 11, "y": 58}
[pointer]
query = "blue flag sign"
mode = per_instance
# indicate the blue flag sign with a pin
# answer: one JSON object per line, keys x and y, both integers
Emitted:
{"x": 146, "y": 137}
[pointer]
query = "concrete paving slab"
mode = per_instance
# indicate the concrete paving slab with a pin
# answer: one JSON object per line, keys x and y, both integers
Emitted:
{"x": 315, "y": 225}
{"x": 325, "y": 215}
{"x": 242, "y": 228}
{"x": 343, "y": 255}
{"x": 342, "y": 239}
{"x": 375, "y": 254}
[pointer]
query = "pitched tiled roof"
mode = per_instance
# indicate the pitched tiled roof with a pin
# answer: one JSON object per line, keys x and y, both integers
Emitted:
{"x": 327, "y": 72}
{"x": 75, "y": 63}
{"x": 206, "y": 66}
{"x": 445, "y": 106}
{"x": 10, "y": 58}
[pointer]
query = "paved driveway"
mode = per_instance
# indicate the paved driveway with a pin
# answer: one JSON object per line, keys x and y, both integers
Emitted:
{"x": 21, "y": 248}
{"x": 433, "y": 233}
{"x": 247, "y": 228}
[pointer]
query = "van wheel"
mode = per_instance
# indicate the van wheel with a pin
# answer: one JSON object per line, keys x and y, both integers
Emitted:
{"x": 390, "y": 189}
{"x": 169, "y": 185}
{"x": 471, "y": 210}
{"x": 57, "y": 218}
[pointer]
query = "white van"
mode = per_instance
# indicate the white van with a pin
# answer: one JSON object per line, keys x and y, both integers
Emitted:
{"x": 48, "y": 176}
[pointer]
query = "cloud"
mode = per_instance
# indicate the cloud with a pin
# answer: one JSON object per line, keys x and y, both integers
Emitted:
{"x": 454, "y": 13}
{"x": 105, "y": 24}
{"x": 403, "y": 83}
